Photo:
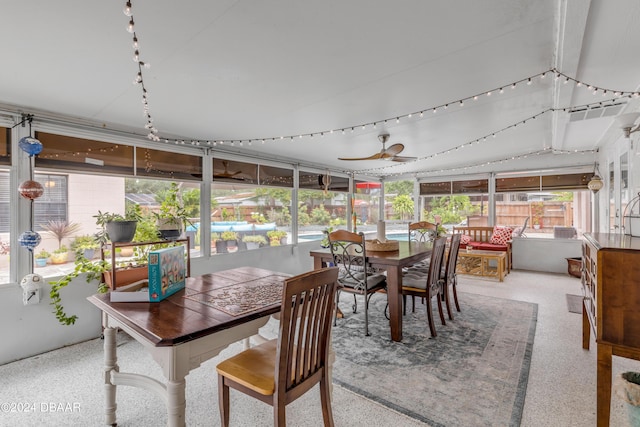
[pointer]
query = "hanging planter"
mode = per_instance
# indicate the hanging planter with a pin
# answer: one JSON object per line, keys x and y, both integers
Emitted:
{"x": 121, "y": 231}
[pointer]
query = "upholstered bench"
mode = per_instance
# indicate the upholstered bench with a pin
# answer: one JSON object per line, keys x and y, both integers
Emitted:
{"x": 496, "y": 238}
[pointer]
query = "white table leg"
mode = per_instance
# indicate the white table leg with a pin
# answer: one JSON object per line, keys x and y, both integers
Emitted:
{"x": 176, "y": 403}
{"x": 110, "y": 364}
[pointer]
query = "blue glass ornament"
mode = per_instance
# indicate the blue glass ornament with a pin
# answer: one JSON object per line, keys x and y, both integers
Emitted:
{"x": 30, "y": 145}
{"x": 29, "y": 239}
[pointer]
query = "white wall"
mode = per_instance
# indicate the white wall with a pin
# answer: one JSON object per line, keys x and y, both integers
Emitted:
{"x": 33, "y": 329}
{"x": 547, "y": 255}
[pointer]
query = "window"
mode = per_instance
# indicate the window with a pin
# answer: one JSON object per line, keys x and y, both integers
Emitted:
{"x": 455, "y": 203}
{"x": 5, "y": 247}
{"x": 52, "y": 205}
{"x": 322, "y": 204}
{"x": 552, "y": 205}
{"x": 5, "y": 146}
{"x": 249, "y": 200}
{"x": 82, "y": 177}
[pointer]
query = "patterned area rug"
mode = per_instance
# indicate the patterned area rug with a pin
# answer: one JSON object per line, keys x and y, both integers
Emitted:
{"x": 474, "y": 373}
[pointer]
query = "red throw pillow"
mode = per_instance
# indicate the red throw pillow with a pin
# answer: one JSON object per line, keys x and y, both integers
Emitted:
{"x": 465, "y": 239}
{"x": 501, "y": 235}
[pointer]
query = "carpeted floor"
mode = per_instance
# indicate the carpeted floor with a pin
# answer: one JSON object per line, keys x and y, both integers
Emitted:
{"x": 474, "y": 372}
{"x": 574, "y": 303}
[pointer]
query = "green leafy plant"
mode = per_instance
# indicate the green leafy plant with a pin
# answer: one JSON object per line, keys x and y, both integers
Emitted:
{"x": 229, "y": 235}
{"x": 325, "y": 240}
{"x": 61, "y": 250}
{"x": 255, "y": 239}
{"x": 42, "y": 254}
{"x": 258, "y": 218}
{"x": 82, "y": 243}
{"x": 172, "y": 207}
{"x": 94, "y": 271}
{"x": 102, "y": 218}
{"x": 275, "y": 236}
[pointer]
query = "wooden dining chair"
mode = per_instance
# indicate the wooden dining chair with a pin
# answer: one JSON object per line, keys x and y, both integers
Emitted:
{"x": 356, "y": 275}
{"x": 281, "y": 370}
{"x": 422, "y": 231}
{"x": 419, "y": 281}
{"x": 450, "y": 279}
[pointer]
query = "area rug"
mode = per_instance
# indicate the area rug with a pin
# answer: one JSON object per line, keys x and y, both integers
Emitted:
{"x": 474, "y": 373}
{"x": 574, "y": 303}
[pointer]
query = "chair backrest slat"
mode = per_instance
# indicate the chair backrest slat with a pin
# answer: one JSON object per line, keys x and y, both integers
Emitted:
{"x": 435, "y": 266}
{"x": 452, "y": 260}
{"x": 305, "y": 321}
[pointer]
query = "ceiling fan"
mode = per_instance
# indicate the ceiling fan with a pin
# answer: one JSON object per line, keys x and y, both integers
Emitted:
{"x": 390, "y": 153}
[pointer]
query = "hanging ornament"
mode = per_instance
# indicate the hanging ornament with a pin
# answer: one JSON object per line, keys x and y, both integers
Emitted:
{"x": 31, "y": 189}
{"x": 30, "y": 145}
{"x": 29, "y": 239}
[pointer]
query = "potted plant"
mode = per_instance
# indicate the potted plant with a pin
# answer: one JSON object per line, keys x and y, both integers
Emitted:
{"x": 60, "y": 255}
{"x": 41, "y": 258}
{"x": 230, "y": 238}
{"x": 254, "y": 241}
{"x": 277, "y": 237}
{"x": 117, "y": 227}
{"x": 537, "y": 210}
{"x": 172, "y": 217}
{"x": 61, "y": 229}
{"x": 85, "y": 245}
{"x": 221, "y": 245}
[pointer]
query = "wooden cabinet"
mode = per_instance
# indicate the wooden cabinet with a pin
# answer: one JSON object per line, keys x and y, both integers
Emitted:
{"x": 123, "y": 275}
{"x": 611, "y": 308}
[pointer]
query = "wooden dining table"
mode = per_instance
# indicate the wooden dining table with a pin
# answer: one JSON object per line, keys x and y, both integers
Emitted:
{"x": 392, "y": 262}
{"x": 186, "y": 329}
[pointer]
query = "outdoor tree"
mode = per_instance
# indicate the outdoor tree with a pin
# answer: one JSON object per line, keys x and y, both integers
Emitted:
{"x": 399, "y": 188}
{"x": 403, "y": 206}
{"x": 452, "y": 209}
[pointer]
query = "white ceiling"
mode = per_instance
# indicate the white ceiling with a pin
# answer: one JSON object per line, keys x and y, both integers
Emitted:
{"x": 248, "y": 70}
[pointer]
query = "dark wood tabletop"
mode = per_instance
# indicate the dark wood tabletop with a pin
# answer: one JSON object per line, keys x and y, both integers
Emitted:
{"x": 177, "y": 319}
{"x": 408, "y": 253}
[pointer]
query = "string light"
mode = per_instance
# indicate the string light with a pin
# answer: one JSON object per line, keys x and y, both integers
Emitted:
{"x": 484, "y": 139}
{"x": 153, "y": 132}
{"x": 461, "y": 102}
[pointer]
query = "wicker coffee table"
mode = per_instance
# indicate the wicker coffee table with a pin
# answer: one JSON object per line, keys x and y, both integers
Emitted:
{"x": 476, "y": 263}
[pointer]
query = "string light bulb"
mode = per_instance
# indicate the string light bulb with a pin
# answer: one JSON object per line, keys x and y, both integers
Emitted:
{"x": 127, "y": 8}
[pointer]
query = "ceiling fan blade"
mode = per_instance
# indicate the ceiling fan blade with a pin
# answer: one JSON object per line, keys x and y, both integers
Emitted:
{"x": 373, "y": 157}
{"x": 394, "y": 149}
{"x": 404, "y": 159}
